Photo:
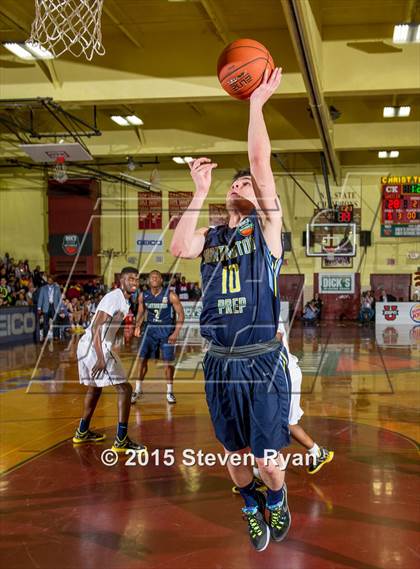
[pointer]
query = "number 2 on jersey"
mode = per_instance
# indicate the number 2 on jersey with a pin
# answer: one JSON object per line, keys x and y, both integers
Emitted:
{"x": 230, "y": 279}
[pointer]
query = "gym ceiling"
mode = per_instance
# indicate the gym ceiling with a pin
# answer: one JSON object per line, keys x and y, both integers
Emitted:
{"x": 338, "y": 59}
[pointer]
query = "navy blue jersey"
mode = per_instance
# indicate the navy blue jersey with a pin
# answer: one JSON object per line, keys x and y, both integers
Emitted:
{"x": 241, "y": 301}
{"x": 160, "y": 312}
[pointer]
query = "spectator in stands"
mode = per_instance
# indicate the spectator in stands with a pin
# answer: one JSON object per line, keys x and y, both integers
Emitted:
{"x": 48, "y": 302}
{"x": 195, "y": 292}
{"x": 183, "y": 289}
{"x": 318, "y": 303}
{"x": 384, "y": 297}
{"x": 5, "y": 292}
{"x": 366, "y": 310}
{"x": 310, "y": 313}
{"x": 173, "y": 286}
{"x": 38, "y": 277}
{"x": 21, "y": 301}
{"x": 63, "y": 320}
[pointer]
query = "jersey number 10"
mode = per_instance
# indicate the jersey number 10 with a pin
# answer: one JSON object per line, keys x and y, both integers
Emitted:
{"x": 230, "y": 279}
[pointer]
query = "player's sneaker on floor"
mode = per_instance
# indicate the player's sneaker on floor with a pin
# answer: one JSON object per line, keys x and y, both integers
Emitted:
{"x": 170, "y": 398}
{"x": 280, "y": 518}
{"x": 127, "y": 444}
{"x": 87, "y": 437}
{"x": 258, "y": 530}
{"x": 318, "y": 462}
{"x": 135, "y": 396}
{"x": 259, "y": 486}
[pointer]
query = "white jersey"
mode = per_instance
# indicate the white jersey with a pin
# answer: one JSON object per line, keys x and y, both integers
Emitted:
{"x": 117, "y": 306}
{"x": 295, "y": 412}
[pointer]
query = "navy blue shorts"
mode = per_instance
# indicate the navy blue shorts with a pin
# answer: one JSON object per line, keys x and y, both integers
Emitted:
{"x": 152, "y": 347}
{"x": 249, "y": 400}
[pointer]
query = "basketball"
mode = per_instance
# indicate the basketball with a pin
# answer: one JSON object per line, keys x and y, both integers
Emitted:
{"x": 241, "y": 67}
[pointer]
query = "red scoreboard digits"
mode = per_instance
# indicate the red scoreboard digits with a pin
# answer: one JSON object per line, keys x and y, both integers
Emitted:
{"x": 400, "y": 206}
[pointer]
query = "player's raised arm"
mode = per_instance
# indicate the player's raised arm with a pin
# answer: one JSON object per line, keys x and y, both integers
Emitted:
{"x": 188, "y": 241}
{"x": 259, "y": 153}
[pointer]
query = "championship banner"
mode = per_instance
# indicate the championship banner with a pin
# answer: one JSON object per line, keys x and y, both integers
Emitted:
{"x": 397, "y": 313}
{"x": 150, "y": 210}
{"x": 178, "y": 203}
{"x": 218, "y": 214}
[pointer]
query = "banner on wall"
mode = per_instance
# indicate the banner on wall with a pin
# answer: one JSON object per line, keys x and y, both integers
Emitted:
{"x": 178, "y": 203}
{"x": 397, "y": 313}
{"x": 149, "y": 241}
{"x": 336, "y": 283}
{"x": 150, "y": 210}
{"x": 17, "y": 325}
{"x": 218, "y": 214}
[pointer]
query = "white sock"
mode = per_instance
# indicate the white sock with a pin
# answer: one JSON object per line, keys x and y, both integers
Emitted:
{"x": 314, "y": 451}
{"x": 139, "y": 388}
{"x": 169, "y": 388}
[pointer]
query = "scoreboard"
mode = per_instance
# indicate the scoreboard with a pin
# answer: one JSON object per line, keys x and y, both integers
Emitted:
{"x": 400, "y": 197}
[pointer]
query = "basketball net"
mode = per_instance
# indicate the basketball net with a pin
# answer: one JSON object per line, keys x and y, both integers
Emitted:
{"x": 60, "y": 170}
{"x": 330, "y": 252}
{"x": 68, "y": 25}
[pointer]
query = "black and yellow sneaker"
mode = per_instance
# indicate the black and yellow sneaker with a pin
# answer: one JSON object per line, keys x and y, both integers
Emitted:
{"x": 324, "y": 456}
{"x": 87, "y": 437}
{"x": 127, "y": 444}
{"x": 280, "y": 518}
{"x": 259, "y": 486}
{"x": 259, "y": 534}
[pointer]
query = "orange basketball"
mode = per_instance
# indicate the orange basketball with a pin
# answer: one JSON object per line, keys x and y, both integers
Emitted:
{"x": 241, "y": 67}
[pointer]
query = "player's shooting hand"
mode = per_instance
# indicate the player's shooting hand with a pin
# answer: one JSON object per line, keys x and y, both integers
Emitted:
{"x": 201, "y": 169}
{"x": 98, "y": 368}
{"x": 172, "y": 338}
{"x": 269, "y": 85}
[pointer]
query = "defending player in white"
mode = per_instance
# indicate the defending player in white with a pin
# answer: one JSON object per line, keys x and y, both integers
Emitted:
{"x": 100, "y": 367}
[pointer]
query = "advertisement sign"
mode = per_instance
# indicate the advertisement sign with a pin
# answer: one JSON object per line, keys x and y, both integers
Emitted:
{"x": 394, "y": 335}
{"x": 17, "y": 325}
{"x": 398, "y": 313}
{"x": 149, "y": 241}
{"x": 336, "y": 283}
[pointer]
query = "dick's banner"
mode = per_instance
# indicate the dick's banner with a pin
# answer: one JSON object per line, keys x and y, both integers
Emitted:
{"x": 397, "y": 313}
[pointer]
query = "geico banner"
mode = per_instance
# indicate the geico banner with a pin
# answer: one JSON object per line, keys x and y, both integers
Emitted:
{"x": 17, "y": 325}
{"x": 393, "y": 336}
{"x": 397, "y": 313}
{"x": 149, "y": 242}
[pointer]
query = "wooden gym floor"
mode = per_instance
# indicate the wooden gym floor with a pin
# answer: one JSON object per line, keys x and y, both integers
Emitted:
{"x": 63, "y": 508}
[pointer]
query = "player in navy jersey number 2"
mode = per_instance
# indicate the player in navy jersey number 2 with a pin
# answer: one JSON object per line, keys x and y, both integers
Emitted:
{"x": 163, "y": 314}
{"x": 246, "y": 378}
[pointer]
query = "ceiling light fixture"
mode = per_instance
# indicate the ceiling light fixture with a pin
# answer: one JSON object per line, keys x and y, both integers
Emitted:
{"x": 391, "y": 112}
{"x": 388, "y": 154}
{"x": 406, "y": 33}
{"x": 182, "y": 160}
{"x": 128, "y": 120}
{"x": 28, "y": 51}
{"x": 120, "y": 120}
{"x": 134, "y": 120}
